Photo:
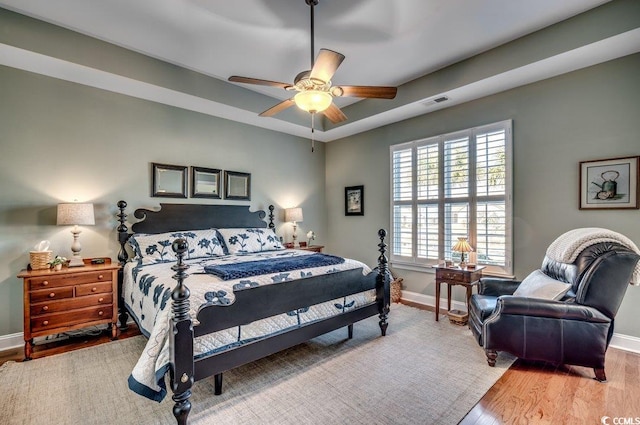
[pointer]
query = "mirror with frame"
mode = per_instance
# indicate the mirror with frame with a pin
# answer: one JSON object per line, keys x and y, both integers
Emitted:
{"x": 237, "y": 186}
{"x": 205, "y": 183}
{"x": 168, "y": 181}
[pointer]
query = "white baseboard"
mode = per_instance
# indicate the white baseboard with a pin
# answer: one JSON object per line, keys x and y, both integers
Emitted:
{"x": 10, "y": 341}
{"x": 619, "y": 341}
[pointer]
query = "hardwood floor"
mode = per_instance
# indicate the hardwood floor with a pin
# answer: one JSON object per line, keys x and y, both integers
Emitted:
{"x": 528, "y": 393}
{"x": 542, "y": 393}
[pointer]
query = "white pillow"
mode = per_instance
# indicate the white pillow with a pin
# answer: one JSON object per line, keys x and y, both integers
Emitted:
{"x": 157, "y": 248}
{"x": 539, "y": 285}
{"x": 247, "y": 240}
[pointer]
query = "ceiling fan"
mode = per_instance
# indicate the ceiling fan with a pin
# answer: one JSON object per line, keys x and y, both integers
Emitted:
{"x": 315, "y": 92}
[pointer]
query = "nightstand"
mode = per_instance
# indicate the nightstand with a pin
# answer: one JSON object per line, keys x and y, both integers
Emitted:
{"x": 314, "y": 248}
{"x": 305, "y": 247}
{"x": 69, "y": 299}
{"x": 456, "y": 276}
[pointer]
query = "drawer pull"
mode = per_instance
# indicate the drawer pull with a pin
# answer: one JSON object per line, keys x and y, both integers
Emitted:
{"x": 94, "y": 289}
{"x": 100, "y": 300}
{"x": 100, "y": 313}
{"x": 45, "y": 283}
{"x": 51, "y": 295}
{"x": 100, "y": 277}
{"x": 45, "y": 308}
{"x": 45, "y": 323}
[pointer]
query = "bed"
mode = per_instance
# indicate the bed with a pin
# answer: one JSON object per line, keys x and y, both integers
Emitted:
{"x": 206, "y": 311}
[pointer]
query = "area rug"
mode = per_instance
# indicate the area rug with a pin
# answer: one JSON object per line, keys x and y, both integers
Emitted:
{"x": 422, "y": 372}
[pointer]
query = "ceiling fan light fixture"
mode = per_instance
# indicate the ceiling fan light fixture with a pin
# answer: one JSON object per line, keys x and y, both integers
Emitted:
{"x": 313, "y": 100}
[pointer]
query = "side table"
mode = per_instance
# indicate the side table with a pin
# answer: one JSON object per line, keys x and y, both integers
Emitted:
{"x": 456, "y": 276}
{"x": 69, "y": 299}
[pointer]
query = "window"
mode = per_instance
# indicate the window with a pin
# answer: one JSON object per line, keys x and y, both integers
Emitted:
{"x": 449, "y": 186}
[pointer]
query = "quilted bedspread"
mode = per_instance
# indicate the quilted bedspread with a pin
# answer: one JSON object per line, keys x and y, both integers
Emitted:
{"x": 147, "y": 294}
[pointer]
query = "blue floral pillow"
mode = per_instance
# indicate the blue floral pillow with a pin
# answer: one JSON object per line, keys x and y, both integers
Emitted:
{"x": 157, "y": 248}
{"x": 245, "y": 241}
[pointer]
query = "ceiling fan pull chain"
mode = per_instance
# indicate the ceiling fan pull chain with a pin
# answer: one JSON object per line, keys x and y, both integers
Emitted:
{"x": 313, "y": 142}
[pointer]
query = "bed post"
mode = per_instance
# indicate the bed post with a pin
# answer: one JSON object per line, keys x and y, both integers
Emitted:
{"x": 181, "y": 366}
{"x": 383, "y": 297}
{"x": 271, "y": 225}
{"x": 123, "y": 236}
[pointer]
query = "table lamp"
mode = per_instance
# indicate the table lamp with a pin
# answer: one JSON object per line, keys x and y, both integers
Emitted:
{"x": 462, "y": 246}
{"x": 75, "y": 214}
{"x": 294, "y": 215}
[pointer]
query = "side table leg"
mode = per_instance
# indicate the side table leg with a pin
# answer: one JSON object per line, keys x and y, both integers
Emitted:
{"x": 437, "y": 299}
{"x": 449, "y": 296}
{"x": 468, "y": 298}
{"x": 28, "y": 349}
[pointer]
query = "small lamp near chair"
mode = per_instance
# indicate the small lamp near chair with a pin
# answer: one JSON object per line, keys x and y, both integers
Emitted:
{"x": 294, "y": 215}
{"x": 462, "y": 246}
{"x": 75, "y": 214}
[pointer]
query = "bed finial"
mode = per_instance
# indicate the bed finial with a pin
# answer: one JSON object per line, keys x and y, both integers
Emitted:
{"x": 123, "y": 233}
{"x": 383, "y": 283}
{"x": 271, "y": 225}
{"x": 181, "y": 367}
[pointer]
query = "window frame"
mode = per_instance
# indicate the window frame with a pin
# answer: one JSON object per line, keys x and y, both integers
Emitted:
{"x": 414, "y": 262}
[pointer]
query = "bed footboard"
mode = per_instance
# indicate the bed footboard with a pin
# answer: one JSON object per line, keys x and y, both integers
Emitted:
{"x": 183, "y": 370}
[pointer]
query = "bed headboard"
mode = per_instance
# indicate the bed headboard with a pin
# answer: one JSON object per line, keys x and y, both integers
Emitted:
{"x": 175, "y": 217}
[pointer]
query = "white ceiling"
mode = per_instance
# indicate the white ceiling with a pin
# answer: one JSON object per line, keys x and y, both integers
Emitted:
{"x": 386, "y": 42}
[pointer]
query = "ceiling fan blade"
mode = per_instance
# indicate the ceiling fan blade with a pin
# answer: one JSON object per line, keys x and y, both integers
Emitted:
{"x": 334, "y": 114}
{"x": 325, "y": 65}
{"x": 375, "y": 92}
{"x": 247, "y": 80}
{"x": 278, "y": 108}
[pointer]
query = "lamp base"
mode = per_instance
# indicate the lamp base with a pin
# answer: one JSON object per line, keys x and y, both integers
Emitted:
{"x": 296, "y": 244}
{"x": 76, "y": 261}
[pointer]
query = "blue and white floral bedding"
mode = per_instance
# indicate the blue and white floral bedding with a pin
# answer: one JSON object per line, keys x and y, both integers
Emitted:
{"x": 147, "y": 293}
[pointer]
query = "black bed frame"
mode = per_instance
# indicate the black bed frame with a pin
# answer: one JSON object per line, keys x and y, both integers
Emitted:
{"x": 249, "y": 305}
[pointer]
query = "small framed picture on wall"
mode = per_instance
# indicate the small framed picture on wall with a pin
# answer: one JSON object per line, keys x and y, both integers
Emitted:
{"x": 610, "y": 183}
{"x": 354, "y": 200}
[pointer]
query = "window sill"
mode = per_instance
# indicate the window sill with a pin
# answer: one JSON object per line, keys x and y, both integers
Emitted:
{"x": 428, "y": 268}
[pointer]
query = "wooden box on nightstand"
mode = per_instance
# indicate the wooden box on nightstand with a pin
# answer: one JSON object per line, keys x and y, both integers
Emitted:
{"x": 68, "y": 299}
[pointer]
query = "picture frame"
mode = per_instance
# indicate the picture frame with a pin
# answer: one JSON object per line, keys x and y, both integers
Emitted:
{"x": 354, "y": 200}
{"x": 168, "y": 181}
{"x": 237, "y": 186}
{"x": 610, "y": 184}
{"x": 206, "y": 183}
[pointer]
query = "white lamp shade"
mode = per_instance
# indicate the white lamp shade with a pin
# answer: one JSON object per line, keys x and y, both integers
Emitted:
{"x": 75, "y": 214}
{"x": 293, "y": 214}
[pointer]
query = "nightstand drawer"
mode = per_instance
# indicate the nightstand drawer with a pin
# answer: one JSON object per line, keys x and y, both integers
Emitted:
{"x": 454, "y": 276}
{"x": 67, "y": 279}
{"x": 73, "y": 317}
{"x": 93, "y": 288}
{"x": 51, "y": 294}
{"x": 71, "y": 304}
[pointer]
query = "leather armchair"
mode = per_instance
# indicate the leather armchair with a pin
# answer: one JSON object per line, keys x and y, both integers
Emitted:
{"x": 574, "y": 330}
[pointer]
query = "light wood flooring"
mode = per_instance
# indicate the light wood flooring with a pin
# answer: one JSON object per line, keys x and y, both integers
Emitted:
{"x": 528, "y": 393}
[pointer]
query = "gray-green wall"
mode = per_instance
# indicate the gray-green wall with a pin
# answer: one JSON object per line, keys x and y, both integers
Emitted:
{"x": 61, "y": 141}
{"x": 584, "y": 115}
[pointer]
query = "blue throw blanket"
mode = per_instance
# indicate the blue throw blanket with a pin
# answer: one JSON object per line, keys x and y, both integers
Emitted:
{"x": 276, "y": 265}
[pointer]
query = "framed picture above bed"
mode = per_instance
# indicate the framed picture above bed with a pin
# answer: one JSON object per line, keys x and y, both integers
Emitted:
{"x": 237, "y": 186}
{"x": 206, "y": 183}
{"x": 610, "y": 183}
{"x": 168, "y": 181}
{"x": 354, "y": 200}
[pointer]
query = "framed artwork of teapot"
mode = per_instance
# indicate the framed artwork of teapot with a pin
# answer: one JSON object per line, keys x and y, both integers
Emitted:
{"x": 610, "y": 183}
